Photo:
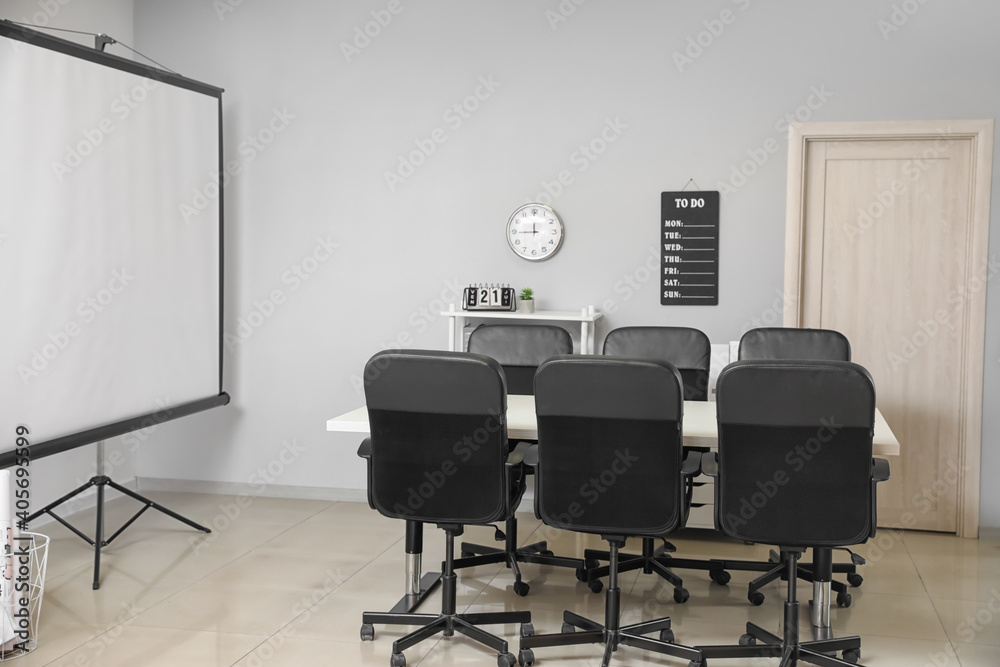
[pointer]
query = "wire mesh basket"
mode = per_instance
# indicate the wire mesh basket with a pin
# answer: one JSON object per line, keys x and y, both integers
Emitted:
{"x": 21, "y": 586}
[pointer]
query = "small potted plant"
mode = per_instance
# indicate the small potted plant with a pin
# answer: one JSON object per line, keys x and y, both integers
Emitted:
{"x": 527, "y": 299}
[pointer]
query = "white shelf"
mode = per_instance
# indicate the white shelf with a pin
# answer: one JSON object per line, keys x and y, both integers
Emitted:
{"x": 585, "y": 316}
{"x": 548, "y": 315}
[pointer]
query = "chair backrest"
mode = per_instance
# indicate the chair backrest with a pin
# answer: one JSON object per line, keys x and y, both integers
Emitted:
{"x": 438, "y": 436}
{"x": 689, "y": 350}
{"x": 520, "y": 348}
{"x": 609, "y": 445}
{"x": 788, "y": 343}
{"x": 795, "y": 452}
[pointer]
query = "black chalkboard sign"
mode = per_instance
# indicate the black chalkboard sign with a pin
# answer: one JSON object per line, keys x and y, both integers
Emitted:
{"x": 689, "y": 248}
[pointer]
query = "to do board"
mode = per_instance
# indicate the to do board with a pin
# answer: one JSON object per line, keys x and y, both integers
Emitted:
{"x": 689, "y": 248}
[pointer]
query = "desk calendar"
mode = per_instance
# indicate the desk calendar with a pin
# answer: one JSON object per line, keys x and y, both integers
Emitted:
{"x": 489, "y": 297}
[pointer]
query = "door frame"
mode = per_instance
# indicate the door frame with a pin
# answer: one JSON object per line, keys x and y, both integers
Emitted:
{"x": 980, "y": 132}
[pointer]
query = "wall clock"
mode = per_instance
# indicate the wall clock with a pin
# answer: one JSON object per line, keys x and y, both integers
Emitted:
{"x": 534, "y": 232}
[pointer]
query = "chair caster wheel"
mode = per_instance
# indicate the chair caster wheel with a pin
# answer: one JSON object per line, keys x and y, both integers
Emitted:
{"x": 852, "y": 655}
{"x": 567, "y": 628}
{"x": 467, "y": 554}
{"x": 506, "y": 660}
{"x": 527, "y": 630}
{"x": 595, "y": 585}
{"x": 756, "y": 598}
{"x": 747, "y": 640}
{"x": 591, "y": 564}
{"x": 855, "y": 580}
{"x": 367, "y": 632}
{"x": 681, "y": 595}
{"x": 521, "y": 588}
{"x": 581, "y": 574}
{"x": 397, "y": 660}
{"x": 667, "y": 636}
{"x": 721, "y": 577}
{"x": 525, "y": 657}
{"x": 546, "y": 552}
{"x": 843, "y": 599}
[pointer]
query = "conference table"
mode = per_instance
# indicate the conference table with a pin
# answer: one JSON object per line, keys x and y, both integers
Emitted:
{"x": 700, "y": 430}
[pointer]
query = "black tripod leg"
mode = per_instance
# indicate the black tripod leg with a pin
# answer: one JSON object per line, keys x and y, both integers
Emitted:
{"x": 100, "y": 481}
{"x": 56, "y": 503}
{"x": 99, "y": 536}
{"x": 155, "y": 506}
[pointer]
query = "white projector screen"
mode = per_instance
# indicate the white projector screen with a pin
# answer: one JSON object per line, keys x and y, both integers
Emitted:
{"x": 110, "y": 244}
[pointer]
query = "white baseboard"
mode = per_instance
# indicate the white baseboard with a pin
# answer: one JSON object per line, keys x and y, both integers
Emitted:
{"x": 88, "y": 499}
{"x": 244, "y": 489}
{"x": 279, "y": 490}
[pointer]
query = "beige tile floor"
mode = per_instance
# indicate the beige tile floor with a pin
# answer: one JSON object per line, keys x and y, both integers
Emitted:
{"x": 283, "y": 583}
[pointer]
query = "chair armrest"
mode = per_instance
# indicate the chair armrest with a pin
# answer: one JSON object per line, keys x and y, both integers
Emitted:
{"x": 365, "y": 450}
{"x": 880, "y": 470}
{"x": 692, "y": 464}
{"x": 516, "y": 456}
{"x": 710, "y": 464}
{"x": 531, "y": 456}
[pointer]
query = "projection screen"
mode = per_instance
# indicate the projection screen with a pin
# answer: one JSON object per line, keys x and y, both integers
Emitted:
{"x": 110, "y": 244}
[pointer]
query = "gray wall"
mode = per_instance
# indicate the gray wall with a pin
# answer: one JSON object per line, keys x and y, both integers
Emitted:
{"x": 339, "y": 122}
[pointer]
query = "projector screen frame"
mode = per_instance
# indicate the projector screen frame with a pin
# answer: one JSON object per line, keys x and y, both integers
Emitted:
{"x": 64, "y": 443}
{"x": 19, "y": 32}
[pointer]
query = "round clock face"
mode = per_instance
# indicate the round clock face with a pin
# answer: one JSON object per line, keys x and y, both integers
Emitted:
{"x": 534, "y": 232}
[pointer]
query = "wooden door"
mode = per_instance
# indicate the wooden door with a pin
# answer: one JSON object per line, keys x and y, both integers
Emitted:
{"x": 890, "y": 252}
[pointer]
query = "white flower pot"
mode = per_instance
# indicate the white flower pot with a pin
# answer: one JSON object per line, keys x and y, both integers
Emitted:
{"x": 527, "y": 306}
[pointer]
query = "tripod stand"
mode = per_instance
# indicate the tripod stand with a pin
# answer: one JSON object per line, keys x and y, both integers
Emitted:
{"x": 101, "y": 481}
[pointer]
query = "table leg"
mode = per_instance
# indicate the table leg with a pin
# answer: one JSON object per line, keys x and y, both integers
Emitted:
{"x": 456, "y": 342}
{"x": 417, "y": 586}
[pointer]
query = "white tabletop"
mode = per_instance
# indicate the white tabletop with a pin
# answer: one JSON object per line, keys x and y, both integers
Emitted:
{"x": 700, "y": 427}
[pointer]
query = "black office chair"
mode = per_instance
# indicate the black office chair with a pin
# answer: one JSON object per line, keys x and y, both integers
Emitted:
{"x": 770, "y": 343}
{"x": 519, "y": 349}
{"x": 690, "y": 352}
{"x": 794, "y": 469}
{"x": 788, "y": 343}
{"x": 424, "y": 408}
{"x": 609, "y": 461}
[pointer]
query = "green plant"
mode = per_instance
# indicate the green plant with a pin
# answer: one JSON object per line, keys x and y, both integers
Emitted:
{"x": 526, "y": 294}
